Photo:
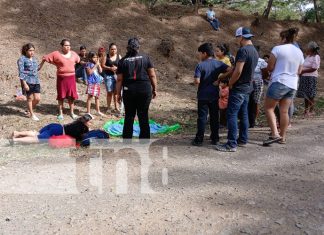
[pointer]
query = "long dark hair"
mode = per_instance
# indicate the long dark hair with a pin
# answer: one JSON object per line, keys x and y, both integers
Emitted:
{"x": 224, "y": 48}
{"x": 91, "y": 54}
{"x": 26, "y": 47}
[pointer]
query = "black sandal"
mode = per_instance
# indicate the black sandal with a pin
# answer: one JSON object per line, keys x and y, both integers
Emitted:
{"x": 272, "y": 140}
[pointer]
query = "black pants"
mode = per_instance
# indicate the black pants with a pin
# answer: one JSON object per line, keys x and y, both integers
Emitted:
{"x": 252, "y": 108}
{"x": 203, "y": 108}
{"x": 223, "y": 117}
{"x": 136, "y": 102}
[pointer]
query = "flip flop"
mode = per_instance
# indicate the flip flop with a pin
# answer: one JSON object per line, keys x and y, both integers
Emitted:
{"x": 74, "y": 116}
{"x": 60, "y": 117}
{"x": 282, "y": 141}
{"x": 272, "y": 140}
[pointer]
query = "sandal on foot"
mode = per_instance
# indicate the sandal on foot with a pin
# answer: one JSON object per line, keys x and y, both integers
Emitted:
{"x": 34, "y": 118}
{"x": 101, "y": 114}
{"x": 271, "y": 140}
{"x": 282, "y": 141}
{"x": 60, "y": 117}
{"x": 74, "y": 116}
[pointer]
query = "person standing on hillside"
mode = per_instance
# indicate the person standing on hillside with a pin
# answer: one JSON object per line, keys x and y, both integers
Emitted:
{"x": 211, "y": 18}
{"x": 241, "y": 87}
{"x": 285, "y": 64}
{"x": 136, "y": 77}
{"x": 309, "y": 76}
{"x": 109, "y": 66}
{"x": 28, "y": 74}
{"x": 64, "y": 61}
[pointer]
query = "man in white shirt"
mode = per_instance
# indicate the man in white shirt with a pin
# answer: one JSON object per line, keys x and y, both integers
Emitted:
{"x": 211, "y": 18}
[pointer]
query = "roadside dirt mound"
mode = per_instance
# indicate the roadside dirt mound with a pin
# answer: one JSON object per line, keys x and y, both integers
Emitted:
{"x": 97, "y": 23}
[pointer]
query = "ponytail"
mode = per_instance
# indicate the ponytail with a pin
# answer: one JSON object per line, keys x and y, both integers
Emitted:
{"x": 289, "y": 35}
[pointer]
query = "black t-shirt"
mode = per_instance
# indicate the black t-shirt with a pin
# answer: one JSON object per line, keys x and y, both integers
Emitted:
{"x": 82, "y": 59}
{"x": 76, "y": 129}
{"x": 110, "y": 63}
{"x": 250, "y": 56}
{"x": 134, "y": 71}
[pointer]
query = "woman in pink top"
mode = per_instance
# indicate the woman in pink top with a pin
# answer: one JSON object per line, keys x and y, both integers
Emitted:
{"x": 308, "y": 79}
{"x": 65, "y": 61}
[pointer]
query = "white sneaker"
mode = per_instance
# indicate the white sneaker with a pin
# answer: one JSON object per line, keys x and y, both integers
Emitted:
{"x": 34, "y": 117}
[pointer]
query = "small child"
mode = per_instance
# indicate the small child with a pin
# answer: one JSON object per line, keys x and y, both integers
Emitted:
{"x": 28, "y": 73}
{"x": 223, "y": 102}
{"x": 222, "y": 52}
{"x": 94, "y": 79}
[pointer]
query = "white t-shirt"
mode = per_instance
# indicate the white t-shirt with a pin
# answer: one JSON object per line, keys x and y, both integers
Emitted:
{"x": 210, "y": 14}
{"x": 289, "y": 58}
{"x": 262, "y": 64}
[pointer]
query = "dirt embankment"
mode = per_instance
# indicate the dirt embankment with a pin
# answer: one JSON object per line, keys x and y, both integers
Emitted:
{"x": 95, "y": 23}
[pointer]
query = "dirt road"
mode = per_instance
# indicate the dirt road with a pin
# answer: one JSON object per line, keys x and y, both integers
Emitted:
{"x": 258, "y": 190}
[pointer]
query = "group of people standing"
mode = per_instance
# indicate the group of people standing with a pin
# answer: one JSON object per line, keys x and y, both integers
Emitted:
{"x": 238, "y": 86}
{"x": 229, "y": 89}
{"x": 130, "y": 80}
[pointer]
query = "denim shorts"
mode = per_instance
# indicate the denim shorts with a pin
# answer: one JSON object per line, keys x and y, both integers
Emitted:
{"x": 279, "y": 91}
{"x": 110, "y": 83}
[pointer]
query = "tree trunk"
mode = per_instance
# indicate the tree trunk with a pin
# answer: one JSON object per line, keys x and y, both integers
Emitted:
{"x": 197, "y": 6}
{"x": 317, "y": 16}
{"x": 266, "y": 12}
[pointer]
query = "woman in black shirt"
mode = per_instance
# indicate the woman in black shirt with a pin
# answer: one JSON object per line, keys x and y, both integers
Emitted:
{"x": 109, "y": 65}
{"x": 136, "y": 76}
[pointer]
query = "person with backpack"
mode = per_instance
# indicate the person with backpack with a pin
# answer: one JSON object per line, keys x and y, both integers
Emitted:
{"x": 136, "y": 77}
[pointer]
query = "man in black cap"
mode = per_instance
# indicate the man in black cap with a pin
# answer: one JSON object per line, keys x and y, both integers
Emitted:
{"x": 240, "y": 88}
{"x": 136, "y": 76}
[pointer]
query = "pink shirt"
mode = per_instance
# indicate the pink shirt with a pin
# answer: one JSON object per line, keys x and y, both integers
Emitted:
{"x": 223, "y": 97}
{"x": 65, "y": 66}
{"x": 312, "y": 62}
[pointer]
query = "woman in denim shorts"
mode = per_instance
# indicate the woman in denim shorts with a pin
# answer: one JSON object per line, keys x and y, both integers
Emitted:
{"x": 285, "y": 64}
{"x": 110, "y": 68}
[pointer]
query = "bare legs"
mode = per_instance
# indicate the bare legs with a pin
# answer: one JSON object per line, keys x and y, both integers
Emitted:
{"x": 284, "y": 117}
{"x": 60, "y": 107}
{"x": 71, "y": 105}
{"x": 112, "y": 96}
{"x": 97, "y": 103}
{"x": 27, "y": 137}
{"x": 309, "y": 106}
{"x": 32, "y": 101}
{"x": 270, "y": 105}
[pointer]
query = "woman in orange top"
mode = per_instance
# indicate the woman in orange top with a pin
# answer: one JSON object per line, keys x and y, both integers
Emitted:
{"x": 65, "y": 61}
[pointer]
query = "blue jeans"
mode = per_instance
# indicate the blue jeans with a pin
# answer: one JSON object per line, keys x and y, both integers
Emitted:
{"x": 214, "y": 23}
{"x": 203, "y": 108}
{"x": 81, "y": 73}
{"x": 237, "y": 109}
